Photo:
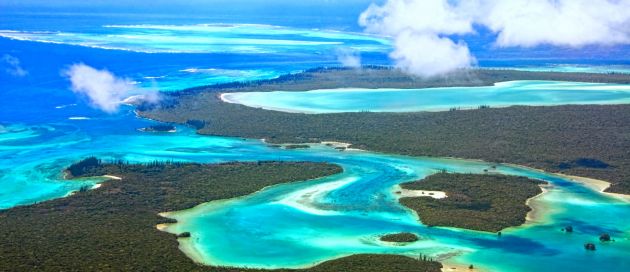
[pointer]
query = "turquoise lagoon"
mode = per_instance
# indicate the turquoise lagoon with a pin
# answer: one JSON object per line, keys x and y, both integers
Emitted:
{"x": 208, "y": 38}
{"x": 503, "y": 94}
{"x": 44, "y": 127}
{"x": 303, "y": 223}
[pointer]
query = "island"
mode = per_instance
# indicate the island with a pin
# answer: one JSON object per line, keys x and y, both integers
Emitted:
{"x": 113, "y": 228}
{"x": 484, "y": 202}
{"x": 378, "y": 263}
{"x": 550, "y": 138}
{"x": 159, "y": 128}
{"x": 297, "y": 146}
{"x": 402, "y": 237}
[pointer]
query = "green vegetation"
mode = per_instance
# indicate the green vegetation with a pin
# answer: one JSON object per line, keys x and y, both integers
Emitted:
{"x": 403, "y": 237}
{"x": 479, "y": 202}
{"x": 159, "y": 128}
{"x": 113, "y": 228}
{"x": 583, "y": 162}
{"x": 297, "y": 146}
{"x": 197, "y": 124}
{"x": 84, "y": 166}
{"x": 576, "y": 140}
{"x": 378, "y": 263}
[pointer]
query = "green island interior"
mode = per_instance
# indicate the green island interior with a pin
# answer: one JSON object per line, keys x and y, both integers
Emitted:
{"x": 548, "y": 138}
{"x": 113, "y": 228}
{"x": 478, "y": 202}
{"x": 402, "y": 237}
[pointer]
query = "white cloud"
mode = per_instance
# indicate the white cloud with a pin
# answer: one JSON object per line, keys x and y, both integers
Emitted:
{"x": 421, "y": 16}
{"x": 423, "y": 29}
{"x": 13, "y": 66}
{"x": 572, "y": 23}
{"x": 425, "y": 54}
{"x": 349, "y": 58}
{"x": 104, "y": 90}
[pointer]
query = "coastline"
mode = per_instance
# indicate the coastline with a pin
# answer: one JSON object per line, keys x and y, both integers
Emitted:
{"x": 459, "y": 267}
{"x": 594, "y": 184}
{"x": 187, "y": 245}
{"x": 532, "y": 216}
{"x": 536, "y": 214}
{"x": 224, "y": 97}
{"x": 336, "y": 144}
{"x": 112, "y": 177}
{"x": 401, "y": 193}
{"x": 226, "y": 100}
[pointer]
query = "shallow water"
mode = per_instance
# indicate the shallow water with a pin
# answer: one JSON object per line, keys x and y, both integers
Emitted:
{"x": 300, "y": 224}
{"x": 207, "y": 38}
{"x": 303, "y": 223}
{"x": 44, "y": 127}
{"x": 534, "y": 93}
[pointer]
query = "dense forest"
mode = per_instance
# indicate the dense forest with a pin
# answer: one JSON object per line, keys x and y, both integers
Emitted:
{"x": 113, "y": 228}
{"x": 585, "y": 140}
{"x": 485, "y": 202}
{"x": 378, "y": 263}
{"x": 403, "y": 237}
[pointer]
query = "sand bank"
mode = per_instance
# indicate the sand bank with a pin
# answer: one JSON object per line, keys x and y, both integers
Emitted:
{"x": 303, "y": 199}
{"x": 591, "y": 183}
{"x": 399, "y": 191}
{"x": 188, "y": 247}
{"x": 538, "y": 209}
{"x": 456, "y": 267}
{"x": 422, "y": 193}
{"x": 112, "y": 177}
{"x": 161, "y": 227}
{"x": 596, "y": 184}
{"x": 336, "y": 144}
